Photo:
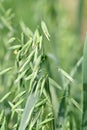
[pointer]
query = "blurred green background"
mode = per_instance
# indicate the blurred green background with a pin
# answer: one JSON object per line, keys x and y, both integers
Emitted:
{"x": 66, "y": 21}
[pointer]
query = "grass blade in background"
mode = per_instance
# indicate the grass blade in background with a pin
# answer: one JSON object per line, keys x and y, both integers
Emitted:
{"x": 5, "y": 70}
{"x": 84, "y": 116}
{"x": 80, "y": 16}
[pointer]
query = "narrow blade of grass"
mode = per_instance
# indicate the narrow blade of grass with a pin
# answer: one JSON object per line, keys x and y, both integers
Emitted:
{"x": 27, "y": 62}
{"x": 12, "y": 39}
{"x": 75, "y": 69}
{"x": 54, "y": 83}
{"x": 76, "y": 104}
{"x": 20, "y": 76}
{"x": 26, "y": 30}
{"x": 31, "y": 101}
{"x": 7, "y": 24}
{"x": 19, "y": 95}
{"x": 66, "y": 75}
{"x": 46, "y": 121}
{"x": 15, "y": 47}
{"x": 5, "y": 70}
{"x": 3, "y": 126}
{"x": 45, "y": 30}
{"x": 1, "y": 100}
{"x": 84, "y": 116}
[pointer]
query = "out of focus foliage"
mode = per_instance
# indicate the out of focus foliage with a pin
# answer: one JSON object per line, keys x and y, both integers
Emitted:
{"x": 61, "y": 21}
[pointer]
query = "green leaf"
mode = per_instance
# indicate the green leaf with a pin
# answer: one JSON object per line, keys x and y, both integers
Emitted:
{"x": 26, "y": 46}
{"x": 6, "y": 23}
{"x": 26, "y": 30}
{"x": 41, "y": 102}
{"x": 20, "y": 76}
{"x": 55, "y": 103}
{"x": 66, "y": 75}
{"x": 85, "y": 62}
{"x": 3, "y": 127}
{"x": 18, "y": 103}
{"x": 5, "y": 70}
{"x": 12, "y": 39}
{"x": 76, "y": 104}
{"x": 11, "y": 105}
{"x": 30, "y": 104}
{"x": 84, "y": 65}
{"x": 15, "y": 47}
{"x": 19, "y": 95}
{"x": 1, "y": 115}
{"x": 27, "y": 61}
{"x": 42, "y": 85}
{"x": 54, "y": 83}
{"x": 38, "y": 85}
{"x": 40, "y": 44}
{"x": 46, "y": 121}
{"x": 75, "y": 69}
{"x": 34, "y": 120}
{"x": 45, "y": 30}
{"x": 6, "y": 95}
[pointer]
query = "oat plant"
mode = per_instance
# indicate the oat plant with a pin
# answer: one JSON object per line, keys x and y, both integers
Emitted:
{"x": 35, "y": 100}
{"x": 32, "y": 98}
{"x": 34, "y": 76}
